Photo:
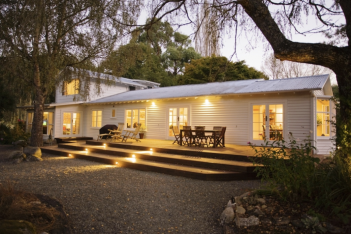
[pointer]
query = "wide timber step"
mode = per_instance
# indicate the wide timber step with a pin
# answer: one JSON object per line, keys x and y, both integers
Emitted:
{"x": 147, "y": 160}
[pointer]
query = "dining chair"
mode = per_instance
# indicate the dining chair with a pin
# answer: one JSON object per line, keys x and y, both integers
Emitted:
{"x": 188, "y": 136}
{"x": 176, "y": 134}
{"x": 200, "y": 137}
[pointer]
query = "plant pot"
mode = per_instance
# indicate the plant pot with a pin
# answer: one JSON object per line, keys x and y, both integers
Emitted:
{"x": 141, "y": 135}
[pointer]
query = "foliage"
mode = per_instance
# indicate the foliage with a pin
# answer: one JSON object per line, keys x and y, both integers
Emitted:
{"x": 157, "y": 53}
{"x": 287, "y": 165}
{"x": 41, "y": 38}
{"x": 214, "y": 69}
{"x": 17, "y": 205}
{"x": 290, "y": 168}
{"x": 7, "y": 101}
{"x": 17, "y": 132}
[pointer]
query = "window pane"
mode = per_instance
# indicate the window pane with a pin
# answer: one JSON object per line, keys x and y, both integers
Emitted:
{"x": 113, "y": 114}
{"x": 51, "y": 118}
{"x": 66, "y": 123}
{"x": 323, "y": 117}
{"x": 142, "y": 119}
{"x": 93, "y": 123}
{"x": 129, "y": 118}
{"x": 71, "y": 87}
{"x": 135, "y": 118}
{"x": 99, "y": 119}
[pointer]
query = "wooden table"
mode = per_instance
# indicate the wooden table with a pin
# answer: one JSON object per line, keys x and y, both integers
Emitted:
{"x": 116, "y": 134}
{"x": 214, "y": 133}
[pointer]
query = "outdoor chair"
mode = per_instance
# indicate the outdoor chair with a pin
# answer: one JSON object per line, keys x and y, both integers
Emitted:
{"x": 200, "y": 137}
{"x": 188, "y": 136}
{"x": 176, "y": 134}
{"x": 219, "y": 138}
{"x": 131, "y": 134}
{"x": 106, "y": 135}
{"x": 117, "y": 134}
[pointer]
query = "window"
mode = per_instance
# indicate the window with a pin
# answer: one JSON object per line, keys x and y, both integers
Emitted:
{"x": 48, "y": 122}
{"x": 96, "y": 119}
{"x": 70, "y": 88}
{"x": 135, "y": 116}
{"x": 323, "y": 117}
{"x": 113, "y": 113}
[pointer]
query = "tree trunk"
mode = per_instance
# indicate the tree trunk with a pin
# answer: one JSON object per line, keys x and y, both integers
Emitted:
{"x": 36, "y": 138}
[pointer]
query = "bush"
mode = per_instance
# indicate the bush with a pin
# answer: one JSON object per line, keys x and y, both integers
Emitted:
{"x": 290, "y": 168}
{"x": 287, "y": 166}
{"x": 18, "y": 132}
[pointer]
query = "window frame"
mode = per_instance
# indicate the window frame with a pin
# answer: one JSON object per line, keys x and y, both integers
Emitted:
{"x": 131, "y": 109}
{"x": 322, "y": 112}
{"x": 65, "y": 87}
{"x": 96, "y": 123}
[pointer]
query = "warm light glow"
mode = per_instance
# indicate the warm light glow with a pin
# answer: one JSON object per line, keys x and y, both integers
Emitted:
{"x": 151, "y": 149}
{"x": 153, "y": 104}
{"x": 70, "y": 155}
{"x": 86, "y": 149}
{"x": 104, "y": 144}
{"x": 133, "y": 160}
{"x": 207, "y": 102}
{"x": 133, "y": 156}
{"x": 116, "y": 162}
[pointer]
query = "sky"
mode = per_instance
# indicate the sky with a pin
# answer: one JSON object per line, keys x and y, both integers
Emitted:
{"x": 253, "y": 50}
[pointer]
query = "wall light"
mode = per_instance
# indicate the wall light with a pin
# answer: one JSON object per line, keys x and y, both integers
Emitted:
{"x": 207, "y": 102}
{"x": 153, "y": 104}
{"x": 133, "y": 156}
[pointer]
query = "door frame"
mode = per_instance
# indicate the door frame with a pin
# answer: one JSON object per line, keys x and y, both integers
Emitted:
{"x": 80, "y": 121}
{"x": 167, "y": 116}
{"x": 267, "y": 103}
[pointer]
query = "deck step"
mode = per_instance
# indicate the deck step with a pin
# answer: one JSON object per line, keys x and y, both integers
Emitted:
{"x": 193, "y": 161}
{"x": 192, "y": 151}
{"x": 71, "y": 139}
{"x": 147, "y": 165}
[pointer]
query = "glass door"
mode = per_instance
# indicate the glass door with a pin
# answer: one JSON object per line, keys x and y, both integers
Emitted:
{"x": 177, "y": 116}
{"x": 71, "y": 124}
{"x": 267, "y": 122}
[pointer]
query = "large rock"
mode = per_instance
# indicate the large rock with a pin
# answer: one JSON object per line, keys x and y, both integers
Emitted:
{"x": 227, "y": 215}
{"x": 33, "y": 153}
{"x": 17, "y": 156}
{"x": 247, "y": 222}
{"x": 240, "y": 210}
{"x": 17, "y": 226}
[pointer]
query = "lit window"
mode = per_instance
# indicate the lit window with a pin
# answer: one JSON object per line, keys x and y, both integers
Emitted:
{"x": 133, "y": 117}
{"x": 70, "y": 88}
{"x": 323, "y": 117}
{"x": 48, "y": 122}
{"x": 29, "y": 121}
{"x": 96, "y": 119}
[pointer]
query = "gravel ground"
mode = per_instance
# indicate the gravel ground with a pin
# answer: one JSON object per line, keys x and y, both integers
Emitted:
{"x": 108, "y": 199}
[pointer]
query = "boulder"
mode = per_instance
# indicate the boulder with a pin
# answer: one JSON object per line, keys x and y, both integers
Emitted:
{"x": 17, "y": 156}
{"x": 258, "y": 212}
{"x": 261, "y": 201}
{"x": 247, "y": 222}
{"x": 17, "y": 226}
{"x": 227, "y": 215}
{"x": 240, "y": 210}
{"x": 33, "y": 153}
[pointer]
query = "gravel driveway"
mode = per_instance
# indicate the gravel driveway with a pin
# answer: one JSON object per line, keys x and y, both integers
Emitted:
{"x": 108, "y": 199}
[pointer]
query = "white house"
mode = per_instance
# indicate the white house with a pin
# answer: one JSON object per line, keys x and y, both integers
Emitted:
{"x": 250, "y": 109}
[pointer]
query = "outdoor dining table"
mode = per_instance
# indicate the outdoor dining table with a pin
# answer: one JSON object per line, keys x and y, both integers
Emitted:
{"x": 215, "y": 134}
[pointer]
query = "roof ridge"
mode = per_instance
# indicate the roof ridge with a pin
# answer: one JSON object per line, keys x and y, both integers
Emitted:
{"x": 291, "y": 78}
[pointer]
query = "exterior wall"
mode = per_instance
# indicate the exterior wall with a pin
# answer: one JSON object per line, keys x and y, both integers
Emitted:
{"x": 106, "y": 90}
{"x": 58, "y": 119}
{"x": 234, "y": 112}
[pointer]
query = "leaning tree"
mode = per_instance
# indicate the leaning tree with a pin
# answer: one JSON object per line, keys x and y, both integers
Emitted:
{"x": 44, "y": 37}
{"x": 276, "y": 20}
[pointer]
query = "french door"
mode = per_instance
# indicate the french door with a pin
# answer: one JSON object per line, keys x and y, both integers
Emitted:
{"x": 71, "y": 124}
{"x": 267, "y": 122}
{"x": 177, "y": 116}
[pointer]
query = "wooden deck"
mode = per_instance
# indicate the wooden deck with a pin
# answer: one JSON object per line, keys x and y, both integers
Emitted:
{"x": 229, "y": 163}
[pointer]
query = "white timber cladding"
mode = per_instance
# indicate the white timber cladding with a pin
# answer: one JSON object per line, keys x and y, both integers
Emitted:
{"x": 59, "y": 110}
{"x": 105, "y": 91}
{"x": 234, "y": 112}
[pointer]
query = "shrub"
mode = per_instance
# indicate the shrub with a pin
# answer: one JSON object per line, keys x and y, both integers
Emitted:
{"x": 287, "y": 166}
{"x": 290, "y": 168}
{"x": 10, "y": 135}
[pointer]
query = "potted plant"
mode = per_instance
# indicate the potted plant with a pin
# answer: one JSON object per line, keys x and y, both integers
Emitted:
{"x": 142, "y": 132}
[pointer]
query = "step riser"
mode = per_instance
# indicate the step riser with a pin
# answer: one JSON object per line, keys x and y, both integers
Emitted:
{"x": 240, "y": 158}
{"x": 194, "y": 175}
{"x": 215, "y": 166}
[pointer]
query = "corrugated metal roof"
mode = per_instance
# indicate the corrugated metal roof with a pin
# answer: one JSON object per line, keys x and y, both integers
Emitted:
{"x": 220, "y": 88}
{"x": 289, "y": 84}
